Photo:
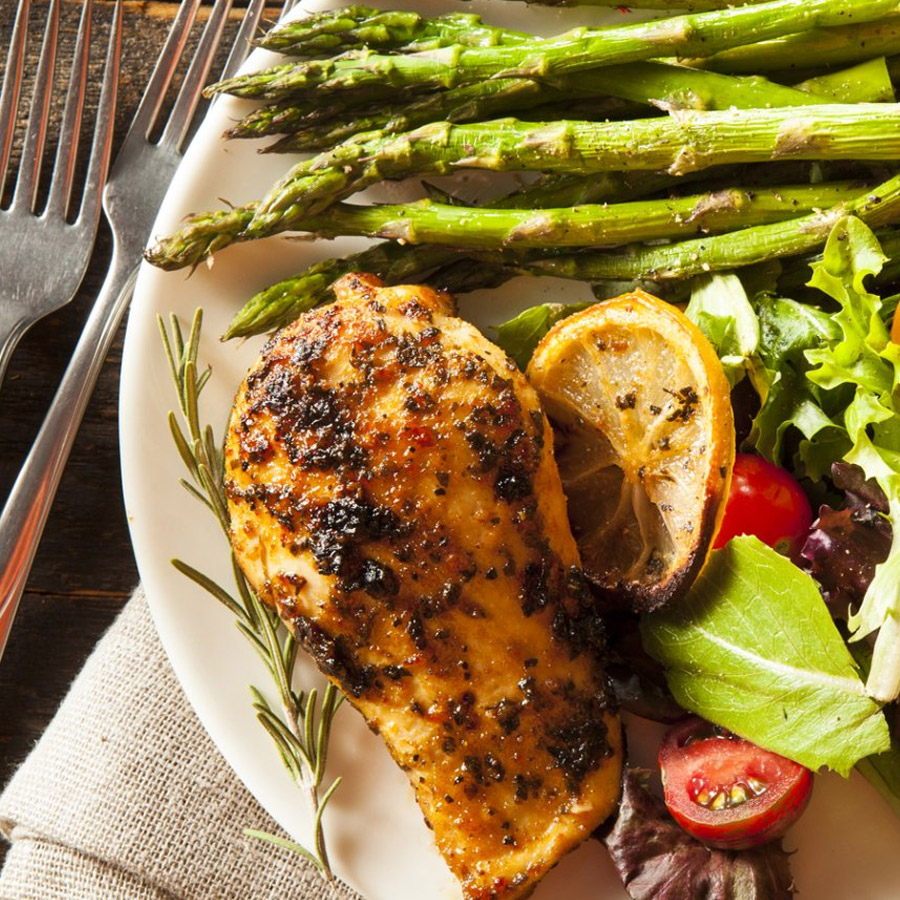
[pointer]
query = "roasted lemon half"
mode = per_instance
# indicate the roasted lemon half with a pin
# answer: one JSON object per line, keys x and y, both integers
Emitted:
{"x": 644, "y": 439}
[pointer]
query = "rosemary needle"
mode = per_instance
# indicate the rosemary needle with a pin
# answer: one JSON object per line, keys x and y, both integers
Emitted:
{"x": 300, "y": 726}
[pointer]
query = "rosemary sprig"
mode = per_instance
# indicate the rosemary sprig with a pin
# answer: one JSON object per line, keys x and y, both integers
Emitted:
{"x": 301, "y": 726}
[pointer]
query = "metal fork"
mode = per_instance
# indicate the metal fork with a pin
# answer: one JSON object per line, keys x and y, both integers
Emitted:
{"x": 136, "y": 187}
{"x": 33, "y": 281}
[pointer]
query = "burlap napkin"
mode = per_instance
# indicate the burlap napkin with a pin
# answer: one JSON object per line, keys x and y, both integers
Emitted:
{"x": 126, "y": 797}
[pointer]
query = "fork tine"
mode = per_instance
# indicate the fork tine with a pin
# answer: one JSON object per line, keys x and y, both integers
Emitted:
{"x": 12, "y": 82}
{"x": 25, "y": 195}
{"x": 67, "y": 149}
{"x": 242, "y": 43}
{"x": 155, "y": 92}
{"x": 195, "y": 78}
{"x": 101, "y": 147}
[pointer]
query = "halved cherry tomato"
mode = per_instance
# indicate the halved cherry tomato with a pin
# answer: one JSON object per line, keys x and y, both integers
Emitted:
{"x": 727, "y": 792}
{"x": 766, "y": 501}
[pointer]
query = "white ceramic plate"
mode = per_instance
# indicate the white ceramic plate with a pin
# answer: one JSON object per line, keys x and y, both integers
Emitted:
{"x": 378, "y": 842}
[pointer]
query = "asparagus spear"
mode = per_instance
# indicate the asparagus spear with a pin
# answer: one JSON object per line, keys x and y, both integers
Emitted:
{"x": 358, "y": 27}
{"x": 204, "y": 233}
{"x": 670, "y": 87}
{"x": 284, "y": 301}
{"x": 693, "y": 34}
{"x": 467, "y": 103}
{"x": 868, "y": 82}
{"x": 880, "y": 206}
{"x": 314, "y": 125}
{"x": 680, "y": 143}
{"x": 850, "y": 43}
{"x": 665, "y": 267}
{"x": 584, "y": 226}
{"x": 690, "y": 141}
{"x": 281, "y": 303}
{"x": 653, "y": 83}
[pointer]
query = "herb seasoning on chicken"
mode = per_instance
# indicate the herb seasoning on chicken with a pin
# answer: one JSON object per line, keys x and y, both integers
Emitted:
{"x": 393, "y": 494}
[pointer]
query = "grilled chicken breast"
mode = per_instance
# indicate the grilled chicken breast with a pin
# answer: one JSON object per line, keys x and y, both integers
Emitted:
{"x": 393, "y": 494}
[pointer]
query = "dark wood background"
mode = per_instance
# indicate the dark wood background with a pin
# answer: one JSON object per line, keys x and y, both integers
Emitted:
{"x": 85, "y": 570}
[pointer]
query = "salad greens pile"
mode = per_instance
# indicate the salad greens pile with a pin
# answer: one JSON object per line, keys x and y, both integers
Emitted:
{"x": 868, "y": 361}
{"x": 753, "y": 646}
{"x": 832, "y": 376}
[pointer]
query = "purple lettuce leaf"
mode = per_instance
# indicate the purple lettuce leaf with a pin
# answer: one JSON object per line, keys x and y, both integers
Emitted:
{"x": 860, "y": 491}
{"x": 845, "y": 545}
{"x": 657, "y": 860}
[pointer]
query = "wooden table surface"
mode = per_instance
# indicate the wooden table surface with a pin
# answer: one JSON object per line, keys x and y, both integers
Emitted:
{"x": 85, "y": 569}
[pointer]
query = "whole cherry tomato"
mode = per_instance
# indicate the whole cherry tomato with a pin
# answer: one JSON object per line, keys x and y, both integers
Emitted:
{"x": 765, "y": 501}
{"x": 727, "y": 792}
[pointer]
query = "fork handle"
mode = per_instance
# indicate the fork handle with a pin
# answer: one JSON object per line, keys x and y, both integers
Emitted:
{"x": 28, "y": 505}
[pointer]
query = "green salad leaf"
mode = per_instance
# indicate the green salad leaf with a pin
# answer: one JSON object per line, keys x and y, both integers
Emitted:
{"x": 753, "y": 648}
{"x": 521, "y": 334}
{"x": 720, "y": 309}
{"x": 788, "y": 330}
{"x": 765, "y": 338}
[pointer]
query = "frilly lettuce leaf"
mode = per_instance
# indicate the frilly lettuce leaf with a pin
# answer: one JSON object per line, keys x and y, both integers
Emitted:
{"x": 851, "y": 254}
{"x": 765, "y": 338}
{"x": 788, "y": 330}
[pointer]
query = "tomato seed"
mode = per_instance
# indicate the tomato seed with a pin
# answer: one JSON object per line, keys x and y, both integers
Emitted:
{"x": 756, "y": 786}
{"x": 720, "y": 796}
